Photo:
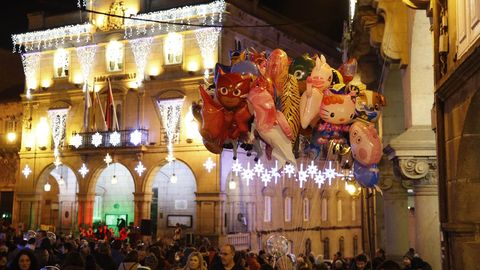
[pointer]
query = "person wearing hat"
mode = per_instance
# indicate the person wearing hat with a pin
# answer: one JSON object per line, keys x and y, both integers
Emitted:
{"x": 407, "y": 261}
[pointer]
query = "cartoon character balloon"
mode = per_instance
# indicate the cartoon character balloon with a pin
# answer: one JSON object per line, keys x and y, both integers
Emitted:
{"x": 369, "y": 105}
{"x": 301, "y": 68}
{"x": 366, "y": 176}
{"x": 365, "y": 143}
{"x": 277, "y": 69}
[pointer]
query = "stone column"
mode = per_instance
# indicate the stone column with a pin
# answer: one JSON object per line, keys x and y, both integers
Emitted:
{"x": 28, "y": 210}
{"x": 85, "y": 204}
{"x": 142, "y": 203}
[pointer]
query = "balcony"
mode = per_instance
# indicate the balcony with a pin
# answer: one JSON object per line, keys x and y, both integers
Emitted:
{"x": 86, "y": 142}
{"x": 239, "y": 240}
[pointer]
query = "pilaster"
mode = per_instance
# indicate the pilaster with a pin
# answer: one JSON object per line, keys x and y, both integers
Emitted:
{"x": 142, "y": 202}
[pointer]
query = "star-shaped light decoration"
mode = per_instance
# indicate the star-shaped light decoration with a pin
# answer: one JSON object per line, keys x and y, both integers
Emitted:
{"x": 136, "y": 137}
{"x": 57, "y": 162}
{"x": 330, "y": 173}
{"x": 258, "y": 168}
{"x": 26, "y": 171}
{"x": 266, "y": 177}
{"x": 76, "y": 140}
{"x": 302, "y": 176}
{"x": 209, "y": 164}
{"x": 237, "y": 167}
{"x": 247, "y": 174}
{"x": 289, "y": 169}
{"x": 108, "y": 159}
{"x": 140, "y": 168}
{"x": 97, "y": 139}
{"x": 312, "y": 169}
{"x": 319, "y": 179}
{"x": 274, "y": 172}
{"x": 115, "y": 138}
{"x": 83, "y": 170}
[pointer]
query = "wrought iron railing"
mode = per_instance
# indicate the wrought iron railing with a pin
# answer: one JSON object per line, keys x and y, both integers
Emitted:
{"x": 105, "y": 143}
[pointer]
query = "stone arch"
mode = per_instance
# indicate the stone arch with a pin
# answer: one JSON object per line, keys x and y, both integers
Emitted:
{"x": 42, "y": 179}
{"x": 469, "y": 147}
{"x": 95, "y": 173}
{"x": 154, "y": 169}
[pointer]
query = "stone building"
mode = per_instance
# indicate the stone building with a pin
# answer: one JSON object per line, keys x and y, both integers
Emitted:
{"x": 98, "y": 119}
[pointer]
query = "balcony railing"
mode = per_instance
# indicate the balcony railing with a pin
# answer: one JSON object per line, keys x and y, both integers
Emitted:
{"x": 239, "y": 240}
{"x": 105, "y": 143}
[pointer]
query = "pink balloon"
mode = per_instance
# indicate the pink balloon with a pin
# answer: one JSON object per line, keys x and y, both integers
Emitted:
{"x": 365, "y": 143}
{"x": 277, "y": 69}
{"x": 337, "y": 109}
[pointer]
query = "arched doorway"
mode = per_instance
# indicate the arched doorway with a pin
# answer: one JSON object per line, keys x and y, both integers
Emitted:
{"x": 58, "y": 187}
{"x": 114, "y": 196}
{"x": 173, "y": 200}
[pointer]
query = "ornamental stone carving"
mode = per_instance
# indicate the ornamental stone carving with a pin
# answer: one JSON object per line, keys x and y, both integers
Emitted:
{"x": 419, "y": 169}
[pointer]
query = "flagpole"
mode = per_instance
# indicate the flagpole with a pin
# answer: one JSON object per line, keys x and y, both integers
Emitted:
{"x": 113, "y": 104}
{"x": 87, "y": 106}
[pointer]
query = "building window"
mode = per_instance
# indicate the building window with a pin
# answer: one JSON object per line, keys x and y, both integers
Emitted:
{"x": 355, "y": 245}
{"x": 114, "y": 56}
{"x": 308, "y": 246}
{"x": 288, "y": 209}
{"x": 354, "y": 208}
{"x": 324, "y": 210}
{"x": 306, "y": 209}
{"x": 341, "y": 245}
{"x": 267, "y": 211}
{"x": 60, "y": 63}
{"x": 173, "y": 49}
{"x": 326, "y": 248}
{"x": 339, "y": 210}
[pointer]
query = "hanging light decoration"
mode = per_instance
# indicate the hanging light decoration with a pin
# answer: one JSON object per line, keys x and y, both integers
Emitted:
{"x": 248, "y": 174}
{"x": 115, "y": 138}
{"x": 210, "y": 14}
{"x": 83, "y": 170}
{"x": 97, "y": 139}
{"x": 170, "y": 110}
{"x": 140, "y": 168}
{"x": 114, "y": 180}
{"x": 47, "y": 187}
{"x": 31, "y": 65}
{"x": 266, "y": 177}
{"x": 76, "y": 140}
{"x": 108, "y": 159}
{"x": 51, "y": 38}
{"x": 136, "y": 137}
{"x": 209, "y": 164}
{"x": 173, "y": 177}
{"x": 86, "y": 56}
{"x": 141, "y": 49}
{"x": 26, "y": 171}
{"x": 232, "y": 184}
{"x": 207, "y": 39}
{"x": 58, "y": 118}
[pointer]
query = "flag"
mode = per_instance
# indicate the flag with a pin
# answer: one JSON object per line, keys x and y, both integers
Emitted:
{"x": 88, "y": 104}
{"x": 109, "y": 108}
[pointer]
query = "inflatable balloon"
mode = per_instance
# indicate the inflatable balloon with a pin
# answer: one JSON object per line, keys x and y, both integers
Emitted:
{"x": 369, "y": 105}
{"x": 366, "y": 176}
{"x": 319, "y": 80}
{"x": 365, "y": 143}
{"x": 301, "y": 68}
{"x": 348, "y": 70}
{"x": 277, "y": 69}
{"x": 290, "y": 104}
{"x": 277, "y": 245}
{"x": 245, "y": 68}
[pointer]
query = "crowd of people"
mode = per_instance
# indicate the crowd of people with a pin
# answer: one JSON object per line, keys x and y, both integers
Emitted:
{"x": 91, "y": 253}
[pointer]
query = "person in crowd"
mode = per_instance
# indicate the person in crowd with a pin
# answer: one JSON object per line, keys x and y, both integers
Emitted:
{"x": 252, "y": 261}
{"x": 25, "y": 260}
{"x": 130, "y": 262}
{"x": 73, "y": 261}
{"x": 90, "y": 263}
{"x": 361, "y": 262}
{"x": 3, "y": 260}
{"x": 117, "y": 254}
{"x": 227, "y": 254}
{"x": 103, "y": 257}
{"x": 388, "y": 265}
{"x": 338, "y": 265}
{"x": 407, "y": 261}
{"x": 31, "y": 243}
{"x": 378, "y": 259}
{"x": 195, "y": 262}
{"x": 319, "y": 264}
{"x": 151, "y": 261}
{"x": 419, "y": 264}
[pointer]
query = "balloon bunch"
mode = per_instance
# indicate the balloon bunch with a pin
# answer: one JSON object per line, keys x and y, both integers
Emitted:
{"x": 276, "y": 100}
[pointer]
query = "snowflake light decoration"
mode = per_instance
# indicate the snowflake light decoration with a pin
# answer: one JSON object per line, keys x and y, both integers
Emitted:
{"x": 83, "y": 170}
{"x": 289, "y": 170}
{"x": 330, "y": 173}
{"x": 312, "y": 169}
{"x": 237, "y": 167}
{"x": 115, "y": 138}
{"x": 26, "y": 171}
{"x": 247, "y": 174}
{"x": 140, "y": 168}
{"x": 258, "y": 168}
{"x": 319, "y": 179}
{"x": 274, "y": 172}
{"x": 266, "y": 177}
{"x": 136, "y": 137}
{"x": 302, "y": 176}
{"x": 76, "y": 140}
{"x": 97, "y": 139}
{"x": 108, "y": 159}
{"x": 209, "y": 164}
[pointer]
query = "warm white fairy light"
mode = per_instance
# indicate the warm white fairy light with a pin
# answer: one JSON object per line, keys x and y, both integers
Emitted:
{"x": 207, "y": 39}
{"x": 83, "y": 170}
{"x": 237, "y": 167}
{"x": 47, "y": 187}
{"x": 258, "y": 168}
{"x": 209, "y": 164}
{"x": 140, "y": 168}
{"x": 266, "y": 177}
{"x": 115, "y": 138}
{"x": 58, "y": 118}
{"x": 61, "y": 62}
{"x": 141, "y": 49}
{"x": 86, "y": 56}
{"x": 210, "y": 14}
{"x": 31, "y": 65}
{"x": 57, "y": 162}
{"x": 247, "y": 174}
{"x": 26, "y": 171}
{"x": 81, "y": 3}
{"x": 136, "y": 137}
{"x": 312, "y": 169}
{"x": 108, "y": 159}
{"x": 51, "y": 38}
{"x": 97, "y": 139}
{"x": 170, "y": 110}
{"x": 76, "y": 140}
{"x": 330, "y": 173}
{"x": 289, "y": 170}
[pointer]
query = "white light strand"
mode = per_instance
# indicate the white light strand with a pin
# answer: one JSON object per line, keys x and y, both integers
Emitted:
{"x": 108, "y": 159}
{"x": 51, "y": 38}
{"x": 207, "y": 40}
{"x": 115, "y": 138}
{"x": 31, "y": 64}
{"x": 58, "y": 118}
{"x": 136, "y": 137}
{"x": 206, "y": 14}
{"x": 97, "y": 139}
{"x": 86, "y": 57}
{"x": 81, "y": 3}
{"x": 170, "y": 109}
{"x": 141, "y": 49}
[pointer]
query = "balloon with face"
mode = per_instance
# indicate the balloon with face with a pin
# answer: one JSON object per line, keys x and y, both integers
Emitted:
{"x": 365, "y": 143}
{"x": 301, "y": 68}
{"x": 366, "y": 176}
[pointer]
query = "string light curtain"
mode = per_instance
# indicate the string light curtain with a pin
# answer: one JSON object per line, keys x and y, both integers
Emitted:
{"x": 86, "y": 56}
{"x": 170, "y": 110}
{"x": 31, "y": 65}
{"x": 58, "y": 118}
{"x": 141, "y": 49}
{"x": 207, "y": 39}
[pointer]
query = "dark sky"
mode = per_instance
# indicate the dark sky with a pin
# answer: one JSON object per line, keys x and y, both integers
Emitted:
{"x": 327, "y": 14}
